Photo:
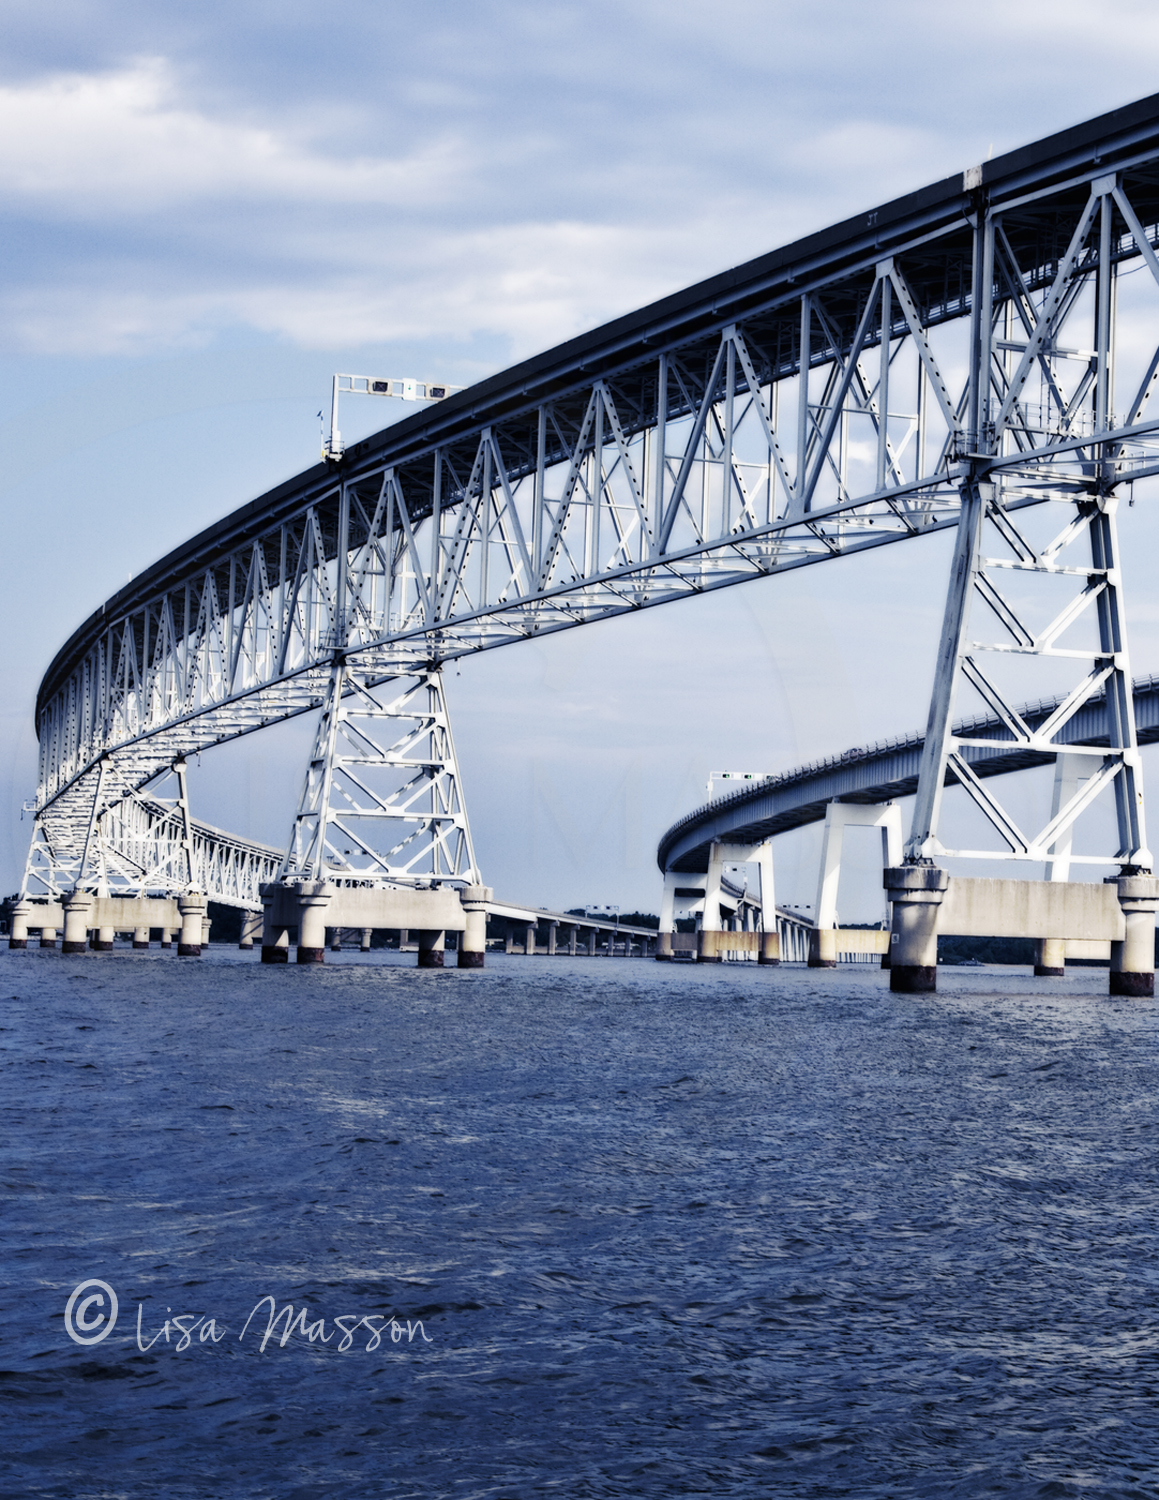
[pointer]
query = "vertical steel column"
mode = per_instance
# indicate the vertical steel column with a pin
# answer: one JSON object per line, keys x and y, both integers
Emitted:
{"x": 923, "y": 844}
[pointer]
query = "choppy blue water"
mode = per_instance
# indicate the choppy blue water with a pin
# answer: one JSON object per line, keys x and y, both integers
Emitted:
{"x": 667, "y": 1230}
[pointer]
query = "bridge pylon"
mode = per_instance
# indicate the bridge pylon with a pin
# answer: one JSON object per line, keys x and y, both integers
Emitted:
{"x": 382, "y": 799}
{"x": 381, "y": 836}
{"x": 1043, "y": 592}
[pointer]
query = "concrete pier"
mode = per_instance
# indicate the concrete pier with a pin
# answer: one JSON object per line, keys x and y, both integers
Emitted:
{"x": 1050, "y": 958}
{"x": 473, "y": 940}
{"x": 916, "y": 893}
{"x": 18, "y": 937}
{"x": 140, "y": 937}
{"x": 1133, "y": 959}
{"x": 251, "y": 929}
{"x": 192, "y": 909}
{"x": 77, "y": 907}
{"x": 364, "y": 946}
{"x": 314, "y": 898}
{"x": 431, "y": 948}
{"x": 823, "y": 948}
{"x": 317, "y": 905}
{"x": 48, "y": 937}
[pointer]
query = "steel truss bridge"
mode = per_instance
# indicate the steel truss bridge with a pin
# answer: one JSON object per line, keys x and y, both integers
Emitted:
{"x": 979, "y": 356}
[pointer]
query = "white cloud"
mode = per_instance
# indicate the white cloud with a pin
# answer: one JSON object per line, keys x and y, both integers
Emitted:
{"x": 124, "y": 142}
{"x": 534, "y": 283}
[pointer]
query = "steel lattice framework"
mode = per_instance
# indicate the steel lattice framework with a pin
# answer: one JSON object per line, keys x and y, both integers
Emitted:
{"x": 141, "y": 845}
{"x": 382, "y": 808}
{"x": 948, "y": 358}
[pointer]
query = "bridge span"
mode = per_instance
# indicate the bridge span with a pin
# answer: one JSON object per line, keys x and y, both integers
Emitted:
{"x": 872, "y": 775}
{"x": 948, "y": 360}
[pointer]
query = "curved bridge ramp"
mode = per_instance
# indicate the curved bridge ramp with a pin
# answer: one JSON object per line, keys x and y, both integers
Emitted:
{"x": 879, "y": 773}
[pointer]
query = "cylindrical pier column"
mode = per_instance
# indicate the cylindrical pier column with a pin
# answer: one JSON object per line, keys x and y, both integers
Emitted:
{"x": 166, "y": 937}
{"x": 48, "y": 937}
{"x": 365, "y": 945}
{"x": 314, "y": 898}
{"x": 192, "y": 909}
{"x": 1050, "y": 958}
{"x": 251, "y": 929}
{"x": 707, "y": 947}
{"x": 140, "y": 937}
{"x": 18, "y": 938}
{"x": 664, "y": 947}
{"x": 823, "y": 948}
{"x": 334, "y": 939}
{"x": 77, "y": 909}
{"x": 552, "y": 934}
{"x": 1133, "y": 960}
{"x": 431, "y": 949}
{"x": 917, "y": 891}
{"x": 473, "y": 942}
{"x": 103, "y": 939}
{"x": 529, "y": 938}
{"x": 275, "y": 934}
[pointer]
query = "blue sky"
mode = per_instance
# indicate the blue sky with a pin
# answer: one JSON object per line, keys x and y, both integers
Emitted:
{"x": 207, "y": 211}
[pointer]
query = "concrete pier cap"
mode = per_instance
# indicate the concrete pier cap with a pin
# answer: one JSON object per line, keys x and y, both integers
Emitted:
{"x": 916, "y": 892}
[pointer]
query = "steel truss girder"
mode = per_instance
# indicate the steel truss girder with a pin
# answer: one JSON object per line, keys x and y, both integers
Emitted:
{"x": 841, "y": 403}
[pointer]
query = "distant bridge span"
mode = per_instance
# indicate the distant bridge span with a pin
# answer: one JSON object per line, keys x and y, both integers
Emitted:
{"x": 944, "y": 360}
{"x": 879, "y": 773}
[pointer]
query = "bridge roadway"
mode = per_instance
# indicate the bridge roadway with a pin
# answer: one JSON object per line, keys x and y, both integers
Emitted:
{"x": 879, "y": 773}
